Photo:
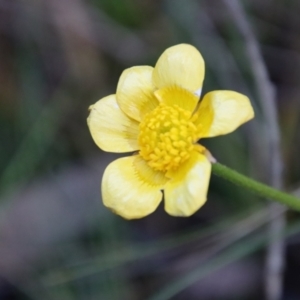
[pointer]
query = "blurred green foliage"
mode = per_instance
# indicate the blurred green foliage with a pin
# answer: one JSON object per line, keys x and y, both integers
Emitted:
{"x": 58, "y": 57}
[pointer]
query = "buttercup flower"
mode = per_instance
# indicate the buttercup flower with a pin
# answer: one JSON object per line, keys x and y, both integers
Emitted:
{"x": 156, "y": 114}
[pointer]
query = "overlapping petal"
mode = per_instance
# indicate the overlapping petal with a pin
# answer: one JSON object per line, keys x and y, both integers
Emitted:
{"x": 131, "y": 188}
{"x": 186, "y": 192}
{"x": 110, "y": 128}
{"x": 180, "y": 65}
{"x": 221, "y": 112}
{"x": 175, "y": 95}
{"x": 135, "y": 92}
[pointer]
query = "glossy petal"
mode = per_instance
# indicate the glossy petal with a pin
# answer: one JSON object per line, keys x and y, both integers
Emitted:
{"x": 221, "y": 112}
{"x": 135, "y": 92}
{"x": 110, "y": 128}
{"x": 180, "y": 65}
{"x": 186, "y": 192}
{"x": 131, "y": 188}
{"x": 175, "y": 95}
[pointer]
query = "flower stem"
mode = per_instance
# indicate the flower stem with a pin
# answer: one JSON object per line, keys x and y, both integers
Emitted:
{"x": 259, "y": 188}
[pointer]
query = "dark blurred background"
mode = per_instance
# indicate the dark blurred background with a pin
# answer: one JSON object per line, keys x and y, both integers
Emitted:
{"x": 57, "y": 241}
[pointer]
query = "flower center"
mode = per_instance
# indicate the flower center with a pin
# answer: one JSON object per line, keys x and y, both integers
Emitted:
{"x": 167, "y": 137}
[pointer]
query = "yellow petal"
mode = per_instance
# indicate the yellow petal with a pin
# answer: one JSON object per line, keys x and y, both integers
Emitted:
{"x": 110, "y": 128}
{"x": 221, "y": 112}
{"x": 186, "y": 192}
{"x": 181, "y": 65}
{"x": 175, "y": 95}
{"x": 131, "y": 188}
{"x": 135, "y": 92}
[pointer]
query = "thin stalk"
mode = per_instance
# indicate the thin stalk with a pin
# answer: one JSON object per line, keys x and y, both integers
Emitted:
{"x": 256, "y": 187}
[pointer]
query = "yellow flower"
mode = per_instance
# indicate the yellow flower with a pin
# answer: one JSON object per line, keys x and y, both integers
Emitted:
{"x": 156, "y": 113}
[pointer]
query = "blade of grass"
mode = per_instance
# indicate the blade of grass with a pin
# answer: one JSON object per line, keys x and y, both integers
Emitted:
{"x": 37, "y": 141}
{"x": 208, "y": 236}
{"x": 241, "y": 249}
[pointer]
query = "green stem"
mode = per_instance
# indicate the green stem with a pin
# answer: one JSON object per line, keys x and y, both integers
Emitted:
{"x": 255, "y": 186}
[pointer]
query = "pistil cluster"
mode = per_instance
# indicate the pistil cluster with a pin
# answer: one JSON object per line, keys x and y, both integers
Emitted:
{"x": 167, "y": 137}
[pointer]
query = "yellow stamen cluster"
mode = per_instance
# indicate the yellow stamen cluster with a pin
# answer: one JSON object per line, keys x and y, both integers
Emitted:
{"x": 167, "y": 137}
